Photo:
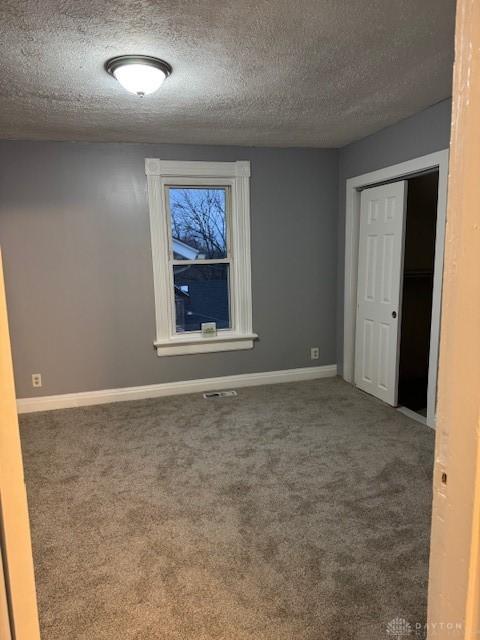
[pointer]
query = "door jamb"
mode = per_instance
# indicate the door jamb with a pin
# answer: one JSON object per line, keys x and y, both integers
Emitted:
{"x": 437, "y": 160}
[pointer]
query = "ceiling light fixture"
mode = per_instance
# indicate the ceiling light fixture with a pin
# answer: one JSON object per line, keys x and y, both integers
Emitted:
{"x": 140, "y": 75}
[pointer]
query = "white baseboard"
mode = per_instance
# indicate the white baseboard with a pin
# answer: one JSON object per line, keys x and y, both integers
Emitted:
{"x": 67, "y": 400}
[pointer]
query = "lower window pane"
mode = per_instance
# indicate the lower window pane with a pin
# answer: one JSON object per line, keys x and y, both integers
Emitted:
{"x": 201, "y": 295}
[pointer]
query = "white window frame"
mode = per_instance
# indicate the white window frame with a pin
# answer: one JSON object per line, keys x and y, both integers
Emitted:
{"x": 236, "y": 176}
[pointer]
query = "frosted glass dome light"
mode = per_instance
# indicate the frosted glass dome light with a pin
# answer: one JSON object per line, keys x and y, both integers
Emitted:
{"x": 140, "y": 75}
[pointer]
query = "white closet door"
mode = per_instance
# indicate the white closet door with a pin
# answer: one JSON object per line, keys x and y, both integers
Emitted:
{"x": 380, "y": 276}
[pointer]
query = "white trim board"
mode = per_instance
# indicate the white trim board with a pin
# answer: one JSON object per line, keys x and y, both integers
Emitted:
{"x": 354, "y": 185}
{"x": 68, "y": 400}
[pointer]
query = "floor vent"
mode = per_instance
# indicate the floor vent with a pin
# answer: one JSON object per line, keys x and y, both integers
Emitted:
{"x": 219, "y": 394}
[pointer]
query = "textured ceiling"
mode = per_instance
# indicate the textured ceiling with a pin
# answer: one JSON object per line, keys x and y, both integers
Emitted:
{"x": 260, "y": 72}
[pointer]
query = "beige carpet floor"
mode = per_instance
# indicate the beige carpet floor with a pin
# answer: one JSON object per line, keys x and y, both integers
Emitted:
{"x": 290, "y": 512}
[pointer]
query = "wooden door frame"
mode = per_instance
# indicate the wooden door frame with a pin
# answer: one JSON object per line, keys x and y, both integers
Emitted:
{"x": 5, "y": 623}
{"x": 403, "y": 170}
{"x": 14, "y": 521}
{"x": 454, "y": 584}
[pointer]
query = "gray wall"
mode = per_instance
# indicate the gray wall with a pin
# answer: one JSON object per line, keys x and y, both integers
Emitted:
{"x": 423, "y": 133}
{"x": 74, "y": 231}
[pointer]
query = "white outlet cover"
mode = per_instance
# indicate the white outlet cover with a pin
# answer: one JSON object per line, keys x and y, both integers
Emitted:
{"x": 36, "y": 379}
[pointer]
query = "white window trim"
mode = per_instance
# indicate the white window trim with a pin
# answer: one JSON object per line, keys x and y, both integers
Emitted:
{"x": 236, "y": 175}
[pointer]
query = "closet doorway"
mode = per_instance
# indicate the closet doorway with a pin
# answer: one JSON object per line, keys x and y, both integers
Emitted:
{"x": 395, "y": 230}
{"x": 417, "y": 292}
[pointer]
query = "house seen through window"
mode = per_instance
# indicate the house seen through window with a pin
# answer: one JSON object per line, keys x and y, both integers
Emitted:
{"x": 200, "y": 256}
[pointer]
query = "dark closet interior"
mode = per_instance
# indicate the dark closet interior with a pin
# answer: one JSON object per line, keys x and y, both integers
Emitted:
{"x": 417, "y": 291}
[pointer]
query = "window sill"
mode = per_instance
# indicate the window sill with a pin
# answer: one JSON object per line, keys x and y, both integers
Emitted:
{"x": 187, "y": 344}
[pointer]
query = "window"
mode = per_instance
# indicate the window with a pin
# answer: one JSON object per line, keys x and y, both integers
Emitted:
{"x": 200, "y": 228}
{"x": 200, "y": 255}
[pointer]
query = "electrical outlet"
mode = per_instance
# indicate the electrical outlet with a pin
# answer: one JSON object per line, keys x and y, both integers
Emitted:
{"x": 314, "y": 353}
{"x": 36, "y": 379}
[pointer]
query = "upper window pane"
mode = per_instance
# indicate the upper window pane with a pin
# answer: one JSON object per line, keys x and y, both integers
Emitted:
{"x": 198, "y": 222}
